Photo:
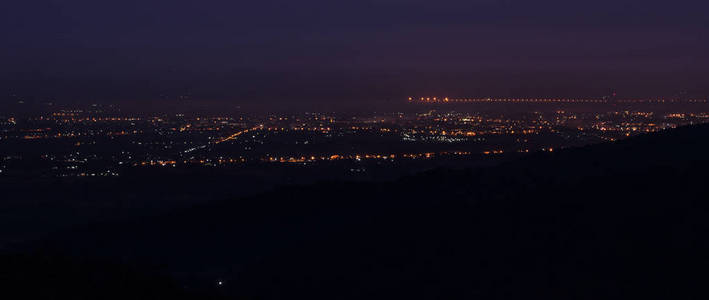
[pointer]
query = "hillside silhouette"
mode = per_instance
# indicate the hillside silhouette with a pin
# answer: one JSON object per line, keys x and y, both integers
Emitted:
{"x": 620, "y": 220}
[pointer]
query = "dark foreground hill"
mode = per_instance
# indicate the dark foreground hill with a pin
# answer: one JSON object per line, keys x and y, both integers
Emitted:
{"x": 625, "y": 220}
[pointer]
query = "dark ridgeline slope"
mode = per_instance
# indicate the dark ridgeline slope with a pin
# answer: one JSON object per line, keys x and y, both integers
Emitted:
{"x": 620, "y": 220}
{"x": 31, "y": 276}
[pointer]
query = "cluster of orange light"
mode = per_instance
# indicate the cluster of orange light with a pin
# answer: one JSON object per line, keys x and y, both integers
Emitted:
{"x": 121, "y": 133}
{"x": 231, "y": 161}
{"x": 197, "y": 129}
{"x": 497, "y": 131}
{"x": 91, "y": 119}
{"x": 502, "y": 100}
{"x": 63, "y": 114}
{"x": 662, "y": 101}
{"x": 336, "y": 157}
{"x": 172, "y": 163}
{"x": 319, "y": 129}
{"x": 651, "y": 127}
{"x": 493, "y": 152}
{"x": 162, "y": 163}
{"x": 72, "y": 135}
{"x": 544, "y": 100}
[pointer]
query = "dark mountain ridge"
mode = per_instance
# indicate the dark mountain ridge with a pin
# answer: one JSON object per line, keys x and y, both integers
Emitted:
{"x": 620, "y": 220}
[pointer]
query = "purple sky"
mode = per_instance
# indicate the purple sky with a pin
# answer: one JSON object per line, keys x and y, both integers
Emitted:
{"x": 318, "y": 51}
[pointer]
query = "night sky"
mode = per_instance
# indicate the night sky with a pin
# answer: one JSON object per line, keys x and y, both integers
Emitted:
{"x": 314, "y": 52}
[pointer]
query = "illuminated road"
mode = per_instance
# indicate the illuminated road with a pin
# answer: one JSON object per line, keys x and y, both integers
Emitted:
{"x": 231, "y": 137}
{"x": 235, "y": 135}
{"x": 429, "y": 100}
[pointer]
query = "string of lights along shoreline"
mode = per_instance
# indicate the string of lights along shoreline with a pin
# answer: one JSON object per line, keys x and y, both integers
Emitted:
{"x": 435, "y": 100}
